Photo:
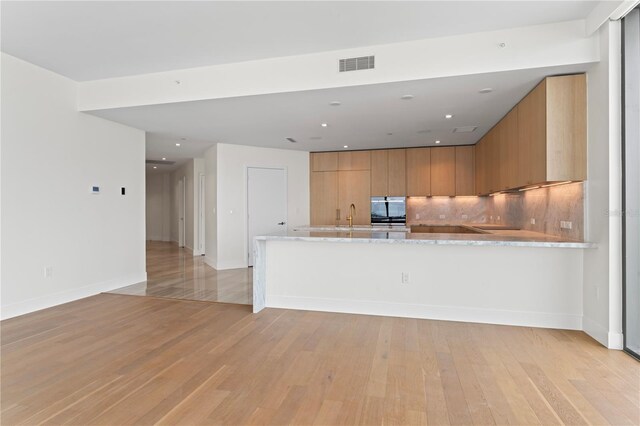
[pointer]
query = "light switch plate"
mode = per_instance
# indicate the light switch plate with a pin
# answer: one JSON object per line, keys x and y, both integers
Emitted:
{"x": 442, "y": 216}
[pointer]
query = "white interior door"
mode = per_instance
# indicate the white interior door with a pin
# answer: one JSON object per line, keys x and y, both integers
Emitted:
{"x": 266, "y": 203}
{"x": 182, "y": 207}
{"x": 201, "y": 234}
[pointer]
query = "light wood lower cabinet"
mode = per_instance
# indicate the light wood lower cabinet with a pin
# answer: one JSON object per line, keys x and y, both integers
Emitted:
{"x": 333, "y": 192}
{"x": 443, "y": 171}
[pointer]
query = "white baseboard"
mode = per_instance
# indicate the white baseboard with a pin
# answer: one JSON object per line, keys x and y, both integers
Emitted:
{"x": 595, "y": 330}
{"x": 446, "y": 313}
{"x": 231, "y": 265}
{"x": 38, "y": 303}
{"x": 616, "y": 341}
{"x": 210, "y": 261}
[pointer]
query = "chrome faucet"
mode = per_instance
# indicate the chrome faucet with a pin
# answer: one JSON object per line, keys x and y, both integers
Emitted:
{"x": 352, "y": 211}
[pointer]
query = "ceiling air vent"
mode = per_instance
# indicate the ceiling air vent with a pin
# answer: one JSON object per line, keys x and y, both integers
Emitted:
{"x": 357, "y": 64}
{"x": 465, "y": 129}
{"x": 292, "y": 140}
{"x": 161, "y": 162}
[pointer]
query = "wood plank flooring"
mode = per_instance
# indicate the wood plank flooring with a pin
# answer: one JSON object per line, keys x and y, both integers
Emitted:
{"x": 116, "y": 359}
{"x": 175, "y": 273}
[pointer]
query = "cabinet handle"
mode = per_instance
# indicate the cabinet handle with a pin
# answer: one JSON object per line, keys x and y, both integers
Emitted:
{"x": 337, "y": 214}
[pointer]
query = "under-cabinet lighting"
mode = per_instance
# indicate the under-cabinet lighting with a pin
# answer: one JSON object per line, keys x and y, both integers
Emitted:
{"x": 529, "y": 188}
{"x": 556, "y": 184}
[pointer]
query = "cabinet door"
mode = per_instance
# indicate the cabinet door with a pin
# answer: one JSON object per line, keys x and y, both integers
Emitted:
{"x": 492, "y": 160}
{"x": 354, "y": 187}
{"x": 508, "y": 141}
{"x": 532, "y": 151}
{"x": 354, "y": 160}
{"x": 566, "y": 113}
{"x": 324, "y": 198}
{"x": 481, "y": 171}
{"x": 465, "y": 170}
{"x": 418, "y": 171}
{"x": 397, "y": 172}
{"x": 379, "y": 173}
{"x": 324, "y": 161}
{"x": 443, "y": 171}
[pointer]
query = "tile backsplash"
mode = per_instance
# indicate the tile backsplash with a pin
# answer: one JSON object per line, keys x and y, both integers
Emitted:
{"x": 548, "y": 206}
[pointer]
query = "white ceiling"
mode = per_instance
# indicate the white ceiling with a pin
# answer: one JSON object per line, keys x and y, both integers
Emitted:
{"x": 363, "y": 120}
{"x": 93, "y": 40}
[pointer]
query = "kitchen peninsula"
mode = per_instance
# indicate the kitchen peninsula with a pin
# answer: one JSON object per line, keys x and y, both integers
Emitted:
{"x": 493, "y": 278}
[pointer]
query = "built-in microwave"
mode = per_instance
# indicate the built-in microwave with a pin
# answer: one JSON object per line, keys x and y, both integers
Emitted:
{"x": 388, "y": 210}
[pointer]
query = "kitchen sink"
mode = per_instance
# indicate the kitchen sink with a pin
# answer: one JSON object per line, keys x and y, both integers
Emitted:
{"x": 444, "y": 229}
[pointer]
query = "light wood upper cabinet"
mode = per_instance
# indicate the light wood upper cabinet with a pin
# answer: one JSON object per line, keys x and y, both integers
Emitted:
{"x": 418, "y": 171}
{"x": 379, "y": 172}
{"x": 397, "y": 172}
{"x": 508, "y": 141}
{"x": 354, "y": 187}
{"x": 324, "y": 161}
{"x": 354, "y": 160}
{"x": 388, "y": 172}
{"x": 532, "y": 135}
{"x": 552, "y": 131}
{"x": 324, "y": 198}
{"x": 465, "y": 170}
{"x": 481, "y": 167}
{"x": 443, "y": 171}
{"x": 566, "y": 128}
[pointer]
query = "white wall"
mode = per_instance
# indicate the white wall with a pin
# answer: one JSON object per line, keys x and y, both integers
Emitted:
{"x": 230, "y": 233}
{"x": 51, "y": 156}
{"x": 158, "y": 206}
{"x": 602, "y": 267}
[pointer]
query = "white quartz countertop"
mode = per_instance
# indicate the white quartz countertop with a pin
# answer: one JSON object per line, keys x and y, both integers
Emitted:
{"x": 399, "y": 235}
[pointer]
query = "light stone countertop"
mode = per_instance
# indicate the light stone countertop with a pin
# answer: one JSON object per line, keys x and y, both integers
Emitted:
{"x": 513, "y": 238}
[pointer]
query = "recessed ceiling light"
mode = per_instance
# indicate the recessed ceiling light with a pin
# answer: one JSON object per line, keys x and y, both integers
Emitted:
{"x": 437, "y": 141}
{"x": 164, "y": 158}
{"x": 346, "y": 146}
{"x": 448, "y": 116}
{"x": 324, "y": 124}
{"x": 406, "y": 97}
{"x": 485, "y": 90}
{"x": 155, "y": 167}
{"x": 177, "y": 144}
{"x": 335, "y": 103}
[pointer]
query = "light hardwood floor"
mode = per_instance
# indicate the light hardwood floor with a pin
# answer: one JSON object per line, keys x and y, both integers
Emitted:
{"x": 115, "y": 359}
{"x": 175, "y": 273}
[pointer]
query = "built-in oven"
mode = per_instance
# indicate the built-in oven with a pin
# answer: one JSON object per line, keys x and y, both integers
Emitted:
{"x": 388, "y": 210}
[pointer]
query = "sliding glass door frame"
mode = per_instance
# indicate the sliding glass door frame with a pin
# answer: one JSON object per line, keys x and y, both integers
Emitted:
{"x": 630, "y": 212}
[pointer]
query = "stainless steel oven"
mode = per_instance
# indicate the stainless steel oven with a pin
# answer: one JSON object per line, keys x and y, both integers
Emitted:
{"x": 388, "y": 210}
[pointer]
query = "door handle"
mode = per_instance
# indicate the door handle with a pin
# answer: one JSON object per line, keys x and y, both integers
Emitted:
{"x": 337, "y": 214}
{"x": 281, "y": 223}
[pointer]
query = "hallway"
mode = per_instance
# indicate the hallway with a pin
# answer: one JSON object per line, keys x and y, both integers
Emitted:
{"x": 172, "y": 272}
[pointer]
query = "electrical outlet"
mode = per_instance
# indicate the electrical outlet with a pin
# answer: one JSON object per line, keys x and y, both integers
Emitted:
{"x": 48, "y": 271}
{"x": 565, "y": 224}
{"x": 465, "y": 217}
{"x": 442, "y": 216}
{"x": 498, "y": 218}
{"x": 417, "y": 215}
{"x": 405, "y": 278}
{"x": 533, "y": 220}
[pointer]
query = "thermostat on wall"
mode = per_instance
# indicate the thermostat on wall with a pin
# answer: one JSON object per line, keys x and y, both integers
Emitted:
{"x": 95, "y": 189}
